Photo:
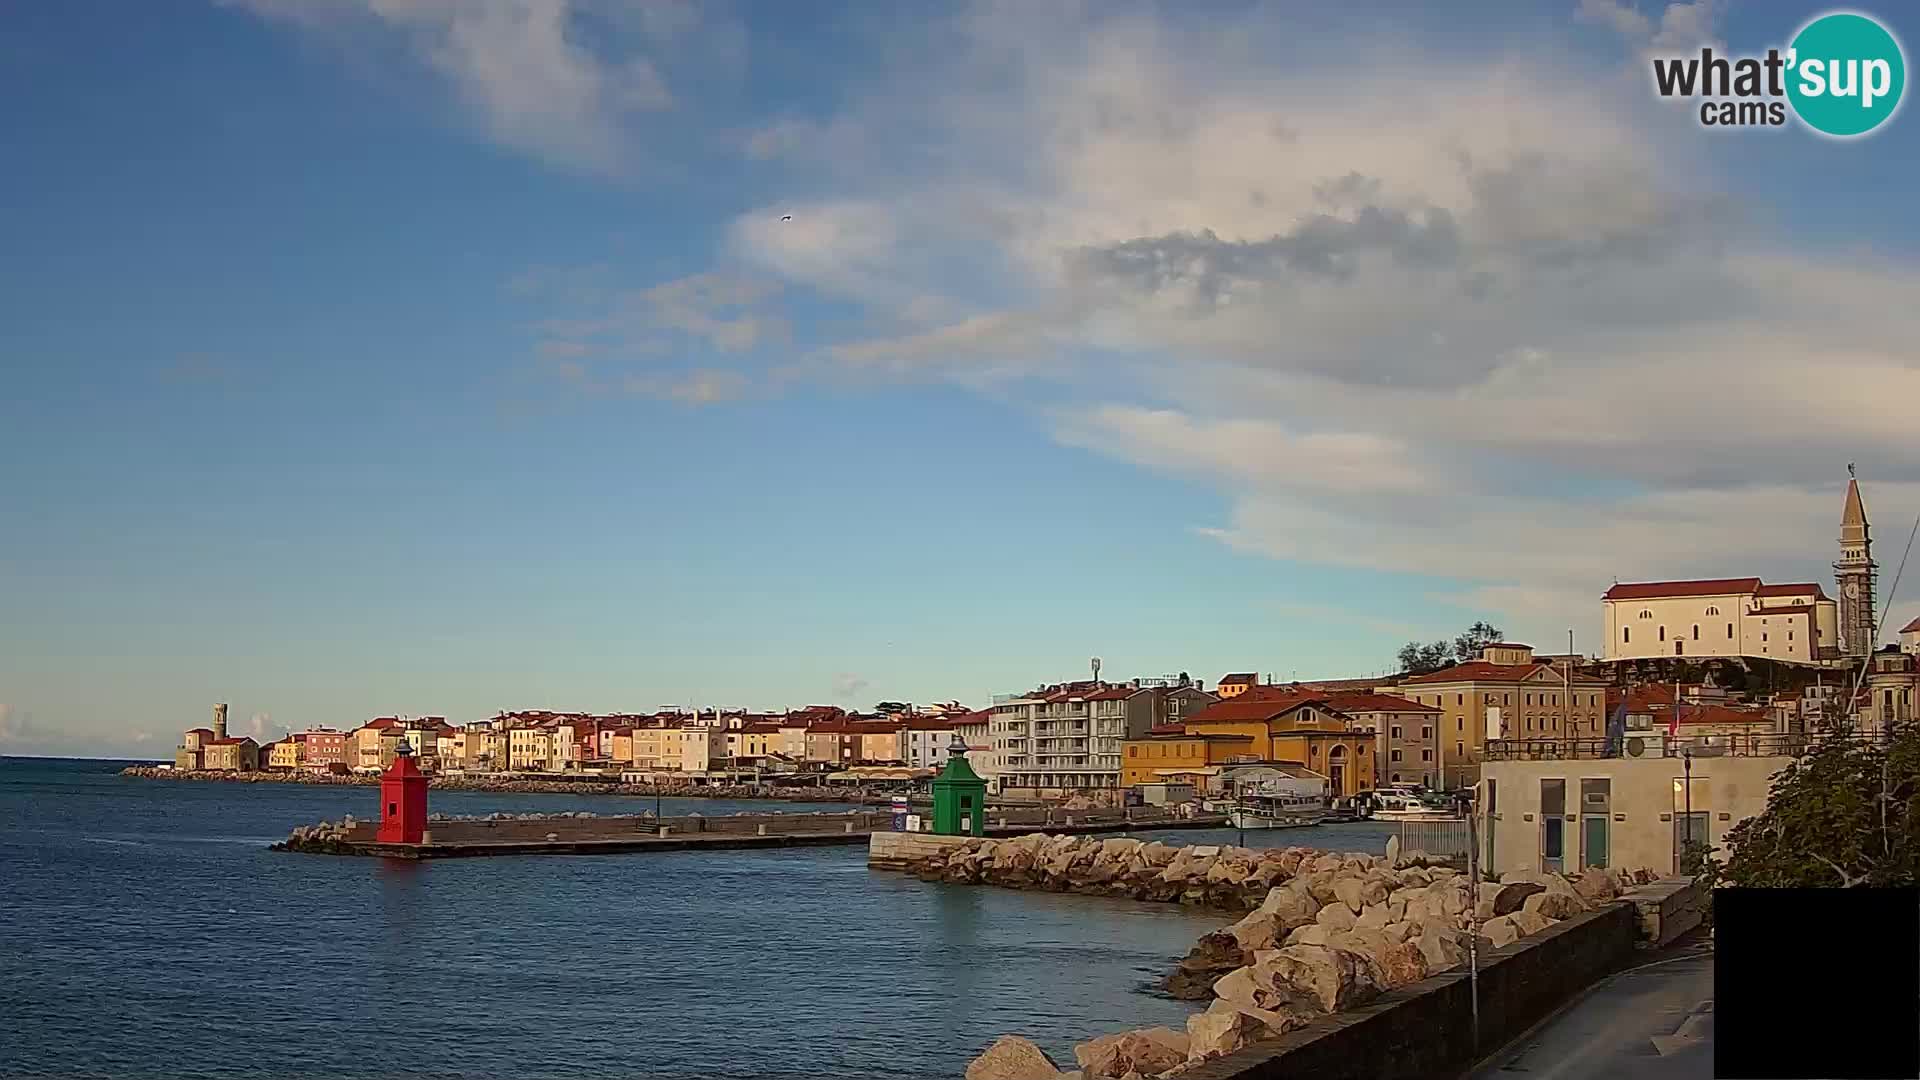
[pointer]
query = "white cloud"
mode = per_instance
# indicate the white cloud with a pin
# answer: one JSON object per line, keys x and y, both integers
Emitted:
{"x": 707, "y": 387}
{"x": 565, "y": 80}
{"x": 1487, "y": 322}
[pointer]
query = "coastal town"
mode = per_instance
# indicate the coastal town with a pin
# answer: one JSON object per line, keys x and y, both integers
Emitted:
{"x": 1727, "y": 679}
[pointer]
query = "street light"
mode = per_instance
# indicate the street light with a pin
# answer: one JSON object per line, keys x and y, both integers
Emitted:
{"x": 1686, "y": 767}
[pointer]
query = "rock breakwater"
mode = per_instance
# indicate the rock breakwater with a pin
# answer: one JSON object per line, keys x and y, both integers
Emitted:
{"x": 1323, "y": 933}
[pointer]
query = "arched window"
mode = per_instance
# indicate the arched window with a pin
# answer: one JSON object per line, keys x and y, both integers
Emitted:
{"x": 1713, "y": 611}
{"x": 1645, "y": 613}
{"x": 1663, "y": 633}
{"x": 1696, "y": 631}
{"x": 1729, "y": 631}
{"x": 1626, "y": 634}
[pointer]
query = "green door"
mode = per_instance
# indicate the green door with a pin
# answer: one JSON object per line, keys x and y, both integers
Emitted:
{"x": 1593, "y": 847}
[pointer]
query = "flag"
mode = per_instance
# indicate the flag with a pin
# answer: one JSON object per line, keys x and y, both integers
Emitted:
{"x": 1617, "y": 729}
{"x": 1673, "y": 722}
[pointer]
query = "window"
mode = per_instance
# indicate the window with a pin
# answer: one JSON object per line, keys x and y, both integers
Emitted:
{"x": 1394, "y": 755}
{"x": 1763, "y": 635}
{"x": 1729, "y": 631}
{"x": 1459, "y": 750}
{"x": 1133, "y": 751}
{"x": 1789, "y": 635}
{"x": 1427, "y": 732}
{"x": 1529, "y": 699}
{"x": 1426, "y": 755}
{"x": 1646, "y": 614}
{"x": 1696, "y": 631}
{"x": 1396, "y": 731}
{"x": 1663, "y": 633}
{"x": 1459, "y": 699}
{"x": 1626, "y": 634}
{"x": 1713, "y": 611}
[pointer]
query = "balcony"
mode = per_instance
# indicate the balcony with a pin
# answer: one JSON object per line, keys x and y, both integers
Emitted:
{"x": 1650, "y": 745}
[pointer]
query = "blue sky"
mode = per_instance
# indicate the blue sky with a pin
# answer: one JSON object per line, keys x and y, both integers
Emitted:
{"x": 367, "y": 356}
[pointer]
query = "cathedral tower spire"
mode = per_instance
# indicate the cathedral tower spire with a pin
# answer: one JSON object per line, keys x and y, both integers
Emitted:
{"x": 1855, "y": 573}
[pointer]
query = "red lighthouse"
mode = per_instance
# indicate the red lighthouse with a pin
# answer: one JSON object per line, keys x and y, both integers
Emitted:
{"x": 403, "y": 800}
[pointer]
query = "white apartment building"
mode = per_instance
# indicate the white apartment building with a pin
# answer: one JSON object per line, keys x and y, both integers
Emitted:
{"x": 1063, "y": 740}
{"x": 1726, "y": 617}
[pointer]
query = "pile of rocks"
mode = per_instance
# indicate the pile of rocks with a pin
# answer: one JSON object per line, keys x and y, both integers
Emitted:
{"x": 324, "y": 837}
{"x": 1331, "y": 931}
{"x": 1228, "y": 878}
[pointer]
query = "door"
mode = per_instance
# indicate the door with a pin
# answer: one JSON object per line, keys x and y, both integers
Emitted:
{"x": 1593, "y": 842}
{"x": 1688, "y": 830}
{"x": 1596, "y": 811}
{"x": 1553, "y": 825}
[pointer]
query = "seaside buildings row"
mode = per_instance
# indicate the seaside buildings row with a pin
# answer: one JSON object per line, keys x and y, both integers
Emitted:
{"x": 1704, "y": 689}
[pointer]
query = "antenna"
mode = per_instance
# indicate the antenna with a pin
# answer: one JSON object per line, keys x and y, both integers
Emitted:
{"x": 1096, "y": 669}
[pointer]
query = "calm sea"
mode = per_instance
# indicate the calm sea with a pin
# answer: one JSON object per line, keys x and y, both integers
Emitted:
{"x": 145, "y": 931}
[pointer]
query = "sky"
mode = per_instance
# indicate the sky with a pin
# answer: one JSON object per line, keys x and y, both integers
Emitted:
{"x": 445, "y": 356}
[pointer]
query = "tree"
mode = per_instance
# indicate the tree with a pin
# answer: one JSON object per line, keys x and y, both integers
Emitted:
{"x": 1417, "y": 658}
{"x": 1845, "y": 814}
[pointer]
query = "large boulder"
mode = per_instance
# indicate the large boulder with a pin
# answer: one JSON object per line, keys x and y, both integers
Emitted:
{"x": 1321, "y": 977}
{"x": 1222, "y": 1029}
{"x": 1530, "y": 922}
{"x": 1347, "y": 891}
{"x": 1012, "y": 1058}
{"x": 1551, "y": 905}
{"x": 1377, "y": 886}
{"x": 1326, "y": 862}
{"x": 1374, "y": 917}
{"x": 1393, "y": 851}
{"x": 1258, "y": 930}
{"x": 1398, "y": 931}
{"x": 1442, "y": 950}
{"x": 1310, "y": 934}
{"x": 1155, "y": 853}
{"x": 1239, "y": 991}
{"x": 1320, "y": 886}
{"x": 1291, "y": 903}
{"x": 1147, "y": 1051}
{"x": 1211, "y": 957}
{"x": 1508, "y": 897}
{"x": 1335, "y": 916}
{"x": 1596, "y": 886}
{"x": 1501, "y": 930}
{"x": 1120, "y": 848}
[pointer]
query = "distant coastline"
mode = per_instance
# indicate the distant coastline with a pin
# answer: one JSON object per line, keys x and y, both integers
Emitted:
{"x": 517, "y": 787}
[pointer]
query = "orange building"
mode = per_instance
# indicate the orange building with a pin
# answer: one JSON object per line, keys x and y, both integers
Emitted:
{"x": 1170, "y": 753}
{"x": 1232, "y": 686}
{"x": 1303, "y": 729}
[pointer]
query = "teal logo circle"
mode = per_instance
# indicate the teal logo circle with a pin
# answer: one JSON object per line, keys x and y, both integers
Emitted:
{"x": 1846, "y": 74}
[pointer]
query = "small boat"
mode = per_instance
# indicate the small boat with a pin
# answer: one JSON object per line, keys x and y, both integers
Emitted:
{"x": 1276, "y": 811}
{"x": 1399, "y": 805}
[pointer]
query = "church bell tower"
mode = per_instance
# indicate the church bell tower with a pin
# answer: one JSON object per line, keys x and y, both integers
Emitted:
{"x": 1854, "y": 573}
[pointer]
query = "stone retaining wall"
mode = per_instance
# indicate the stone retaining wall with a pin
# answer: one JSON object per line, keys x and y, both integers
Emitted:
{"x": 1424, "y": 1030}
{"x": 897, "y": 850}
{"x": 1667, "y": 908}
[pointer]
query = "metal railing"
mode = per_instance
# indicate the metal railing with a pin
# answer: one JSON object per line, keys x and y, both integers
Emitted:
{"x": 1651, "y": 745}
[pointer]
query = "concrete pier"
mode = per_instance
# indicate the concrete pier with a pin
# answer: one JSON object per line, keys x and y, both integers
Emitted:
{"x": 626, "y": 835}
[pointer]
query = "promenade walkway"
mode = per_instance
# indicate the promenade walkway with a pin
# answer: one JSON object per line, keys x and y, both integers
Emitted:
{"x": 1653, "y": 1022}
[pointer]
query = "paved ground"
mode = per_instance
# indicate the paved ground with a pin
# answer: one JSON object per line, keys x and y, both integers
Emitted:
{"x": 1650, "y": 1023}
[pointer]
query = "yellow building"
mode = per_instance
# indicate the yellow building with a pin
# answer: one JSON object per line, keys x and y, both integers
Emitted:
{"x": 284, "y": 754}
{"x": 372, "y": 745}
{"x": 1510, "y": 694}
{"x": 1174, "y": 755}
{"x": 1232, "y": 686}
{"x": 1301, "y": 728}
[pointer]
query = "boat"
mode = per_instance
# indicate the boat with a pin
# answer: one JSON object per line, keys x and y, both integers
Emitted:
{"x": 1398, "y": 804}
{"x": 1275, "y": 810}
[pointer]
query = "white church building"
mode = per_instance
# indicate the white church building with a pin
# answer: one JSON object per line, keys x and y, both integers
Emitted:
{"x": 1721, "y": 618}
{"x": 1745, "y": 617}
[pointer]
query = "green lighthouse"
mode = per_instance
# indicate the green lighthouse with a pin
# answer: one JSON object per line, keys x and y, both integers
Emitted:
{"x": 959, "y": 796}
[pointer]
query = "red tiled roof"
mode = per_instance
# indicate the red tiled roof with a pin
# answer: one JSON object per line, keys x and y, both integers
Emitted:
{"x": 932, "y": 723}
{"x": 1369, "y": 702}
{"x": 1510, "y": 645}
{"x": 1478, "y": 671}
{"x": 1791, "y": 590}
{"x": 231, "y": 741}
{"x": 1911, "y": 628}
{"x": 382, "y": 722}
{"x": 763, "y": 727}
{"x": 205, "y": 732}
{"x": 1660, "y": 590}
{"x": 1263, "y": 708}
{"x": 1168, "y": 729}
{"x": 1115, "y": 693}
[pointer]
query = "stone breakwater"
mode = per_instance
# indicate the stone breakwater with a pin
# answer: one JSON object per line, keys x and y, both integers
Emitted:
{"x": 1323, "y": 933}
{"x": 524, "y": 787}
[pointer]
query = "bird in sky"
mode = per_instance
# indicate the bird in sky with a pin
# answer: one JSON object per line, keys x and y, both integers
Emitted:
{"x": 786, "y": 217}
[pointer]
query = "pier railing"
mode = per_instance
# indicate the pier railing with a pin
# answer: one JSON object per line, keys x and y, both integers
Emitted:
{"x": 1651, "y": 745}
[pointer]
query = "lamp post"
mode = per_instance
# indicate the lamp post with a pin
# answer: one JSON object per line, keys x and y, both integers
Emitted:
{"x": 1686, "y": 768}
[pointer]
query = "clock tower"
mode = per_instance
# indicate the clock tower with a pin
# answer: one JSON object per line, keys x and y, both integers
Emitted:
{"x": 1854, "y": 573}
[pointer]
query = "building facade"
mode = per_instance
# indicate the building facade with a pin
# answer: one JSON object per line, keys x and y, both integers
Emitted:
{"x": 1232, "y": 686}
{"x": 1890, "y": 692}
{"x": 1910, "y": 638}
{"x": 1061, "y": 740}
{"x": 1565, "y": 815}
{"x": 1725, "y": 617}
{"x": 1300, "y": 730}
{"x": 1508, "y": 694}
{"x": 231, "y": 755}
{"x": 1406, "y": 744}
{"x": 322, "y": 749}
